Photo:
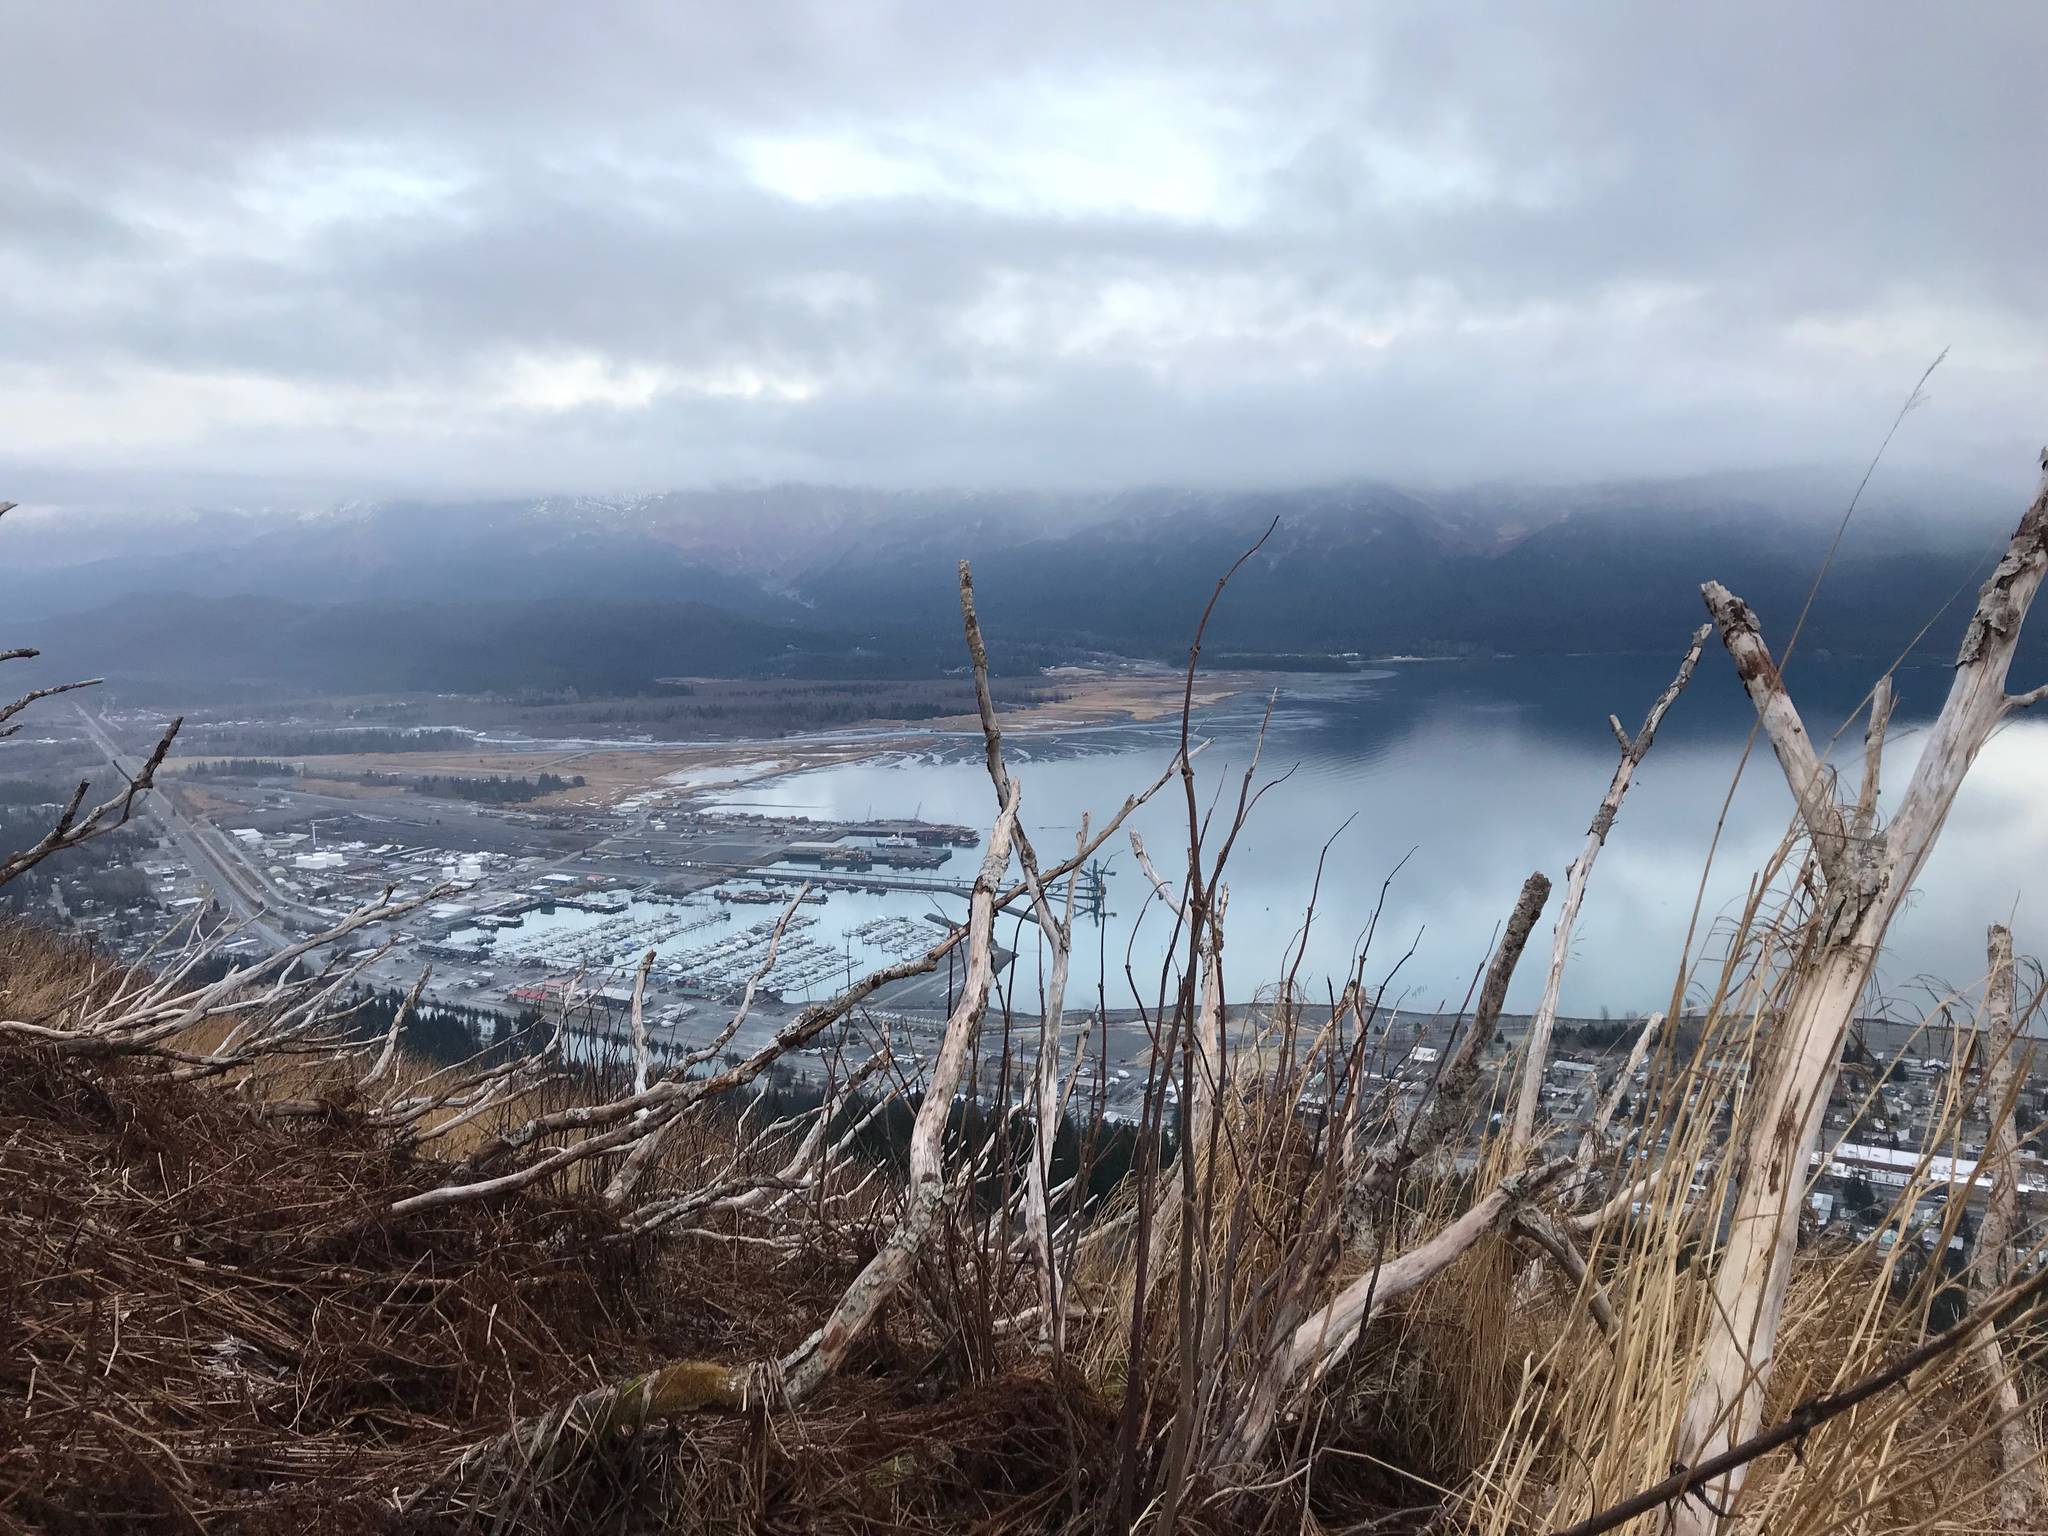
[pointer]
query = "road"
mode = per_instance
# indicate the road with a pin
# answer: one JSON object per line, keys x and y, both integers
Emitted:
{"x": 232, "y": 887}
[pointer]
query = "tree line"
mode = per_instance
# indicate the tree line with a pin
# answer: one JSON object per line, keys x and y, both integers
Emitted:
{"x": 276, "y": 741}
{"x": 242, "y": 768}
{"x": 485, "y": 789}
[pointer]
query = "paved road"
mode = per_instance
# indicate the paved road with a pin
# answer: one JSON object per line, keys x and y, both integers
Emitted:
{"x": 209, "y": 864}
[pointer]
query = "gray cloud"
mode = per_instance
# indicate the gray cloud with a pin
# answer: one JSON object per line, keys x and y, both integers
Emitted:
{"x": 513, "y": 248}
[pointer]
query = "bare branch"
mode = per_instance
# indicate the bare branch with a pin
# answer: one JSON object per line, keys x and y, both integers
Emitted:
{"x": 1165, "y": 891}
{"x": 818, "y": 1356}
{"x": 1611, "y": 1105}
{"x": 1462, "y": 1071}
{"x": 1531, "y": 1223}
{"x": 34, "y": 695}
{"x": 641, "y": 1158}
{"x": 72, "y": 828}
{"x": 1867, "y": 882}
{"x": 1536, "y": 1050}
{"x": 1059, "y": 933}
{"x": 1328, "y": 1332}
{"x": 1449, "y": 1108}
{"x": 1812, "y": 785}
{"x": 2019, "y": 1459}
{"x": 640, "y": 1022}
{"x": 1864, "y": 822}
{"x": 398, "y": 1018}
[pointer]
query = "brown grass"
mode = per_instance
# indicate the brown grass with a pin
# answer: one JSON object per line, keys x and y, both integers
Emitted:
{"x": 209, "y": 1320}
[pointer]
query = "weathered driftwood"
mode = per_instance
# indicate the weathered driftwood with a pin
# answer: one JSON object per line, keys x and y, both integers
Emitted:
{"x": 1867, "y": 876}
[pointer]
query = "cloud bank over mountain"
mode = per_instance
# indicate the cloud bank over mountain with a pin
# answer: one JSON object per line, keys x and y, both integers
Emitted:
{"x": 459, "y": 250}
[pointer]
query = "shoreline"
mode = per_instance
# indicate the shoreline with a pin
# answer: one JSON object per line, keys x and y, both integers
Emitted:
{"x": 632, "y": 775}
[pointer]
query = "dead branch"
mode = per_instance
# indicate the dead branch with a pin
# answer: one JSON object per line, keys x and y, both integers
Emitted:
{"x": 1045, "y": 1078}
{"x": 1448, "y": 1111}
{"x": 398, "y": 1018}
{"x": 805, "y": 1170}
{"x": 1534, "y": 1224}
{"x": 35, "y": 695}
{"x": 1536, "y": 1050}
{"x": 1592, "y": 1140}
{"x": 1596, "y": 1128}
{"x": 72, "y": 827}
{"x": 1813, "y": 787}
{"x": 1866, "y": 881}
{"x": 1329, "y": 1332}
{"x": 818, "y": 1356}
{"x": 147, "y": 1022}
{"x": 1881, "y": 701}
{"x": 1461, "y": 1072}
{"x": 639, "y": 1014}
{"x": 2019, "y": 1459}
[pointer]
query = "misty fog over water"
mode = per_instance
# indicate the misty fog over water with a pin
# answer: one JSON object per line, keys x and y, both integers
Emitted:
{"x": 1476, "y": 773}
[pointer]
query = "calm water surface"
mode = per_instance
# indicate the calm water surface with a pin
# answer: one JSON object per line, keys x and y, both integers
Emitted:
{"x": 1475, "y": 774}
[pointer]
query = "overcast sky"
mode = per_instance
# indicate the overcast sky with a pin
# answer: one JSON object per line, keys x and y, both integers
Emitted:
{"x": 451, "y": 248}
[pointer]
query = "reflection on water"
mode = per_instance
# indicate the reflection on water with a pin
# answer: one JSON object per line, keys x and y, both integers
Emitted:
{"x": 1482, "y": 772}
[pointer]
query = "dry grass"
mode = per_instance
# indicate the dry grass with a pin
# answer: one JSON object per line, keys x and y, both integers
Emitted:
{"x": 211, "y": 1321}
{"x": 214, "y": 1322}
{"x": 1592, "y": 1421}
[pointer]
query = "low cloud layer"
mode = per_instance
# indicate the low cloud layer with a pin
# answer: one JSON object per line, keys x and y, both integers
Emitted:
{"x": 477, "y": 248}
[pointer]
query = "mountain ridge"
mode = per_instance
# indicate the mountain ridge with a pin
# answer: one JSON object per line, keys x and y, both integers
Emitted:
{"x": 819, "y": 577}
